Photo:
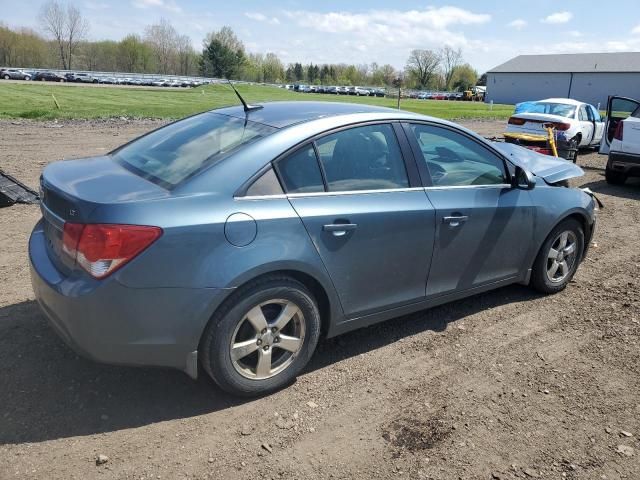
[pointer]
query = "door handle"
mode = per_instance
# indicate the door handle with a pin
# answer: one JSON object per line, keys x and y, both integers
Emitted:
{"x": 455, "y": 221}
{"x": 340, "y": 229}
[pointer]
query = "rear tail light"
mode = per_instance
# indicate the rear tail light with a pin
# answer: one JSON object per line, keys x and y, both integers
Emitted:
{"x": 619, "y": 133}
{"x": 516, "y": 121}
{"x": 100, "y": 249}
{"x": 562, "y": 126}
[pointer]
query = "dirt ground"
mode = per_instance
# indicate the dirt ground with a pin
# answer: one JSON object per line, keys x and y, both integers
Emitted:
{"x": 508, "y": 384}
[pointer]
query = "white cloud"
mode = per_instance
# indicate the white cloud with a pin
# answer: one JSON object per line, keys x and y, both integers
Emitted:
{"x": 261, "y": 17}
{"x": 636, "y": 30}
{"x": 575, "y": 33}
{"x": 518, "y": 24}
{"x": 168, "y": 5}
{"x": 558, "y": 17}
{"x": 392, "y": 29}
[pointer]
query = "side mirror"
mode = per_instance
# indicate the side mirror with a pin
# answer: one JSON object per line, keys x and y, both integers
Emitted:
{"x": 523, "y": 179}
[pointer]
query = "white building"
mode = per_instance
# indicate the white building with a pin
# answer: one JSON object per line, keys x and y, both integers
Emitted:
{"x": 588, "y": 77}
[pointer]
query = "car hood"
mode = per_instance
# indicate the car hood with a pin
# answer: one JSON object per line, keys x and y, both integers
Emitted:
{"x": 549, "y": 168}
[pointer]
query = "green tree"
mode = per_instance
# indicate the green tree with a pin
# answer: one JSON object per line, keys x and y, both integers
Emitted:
{"x": 223, "y": 54}
{"x": 463, "y": 77}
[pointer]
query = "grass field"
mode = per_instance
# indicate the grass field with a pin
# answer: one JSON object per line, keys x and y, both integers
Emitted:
{"x": 36, "y": 100}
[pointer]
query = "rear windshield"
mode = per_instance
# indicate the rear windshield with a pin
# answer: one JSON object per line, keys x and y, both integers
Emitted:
{"x": 175, "y": 152}
{"x": 560, "y": 109}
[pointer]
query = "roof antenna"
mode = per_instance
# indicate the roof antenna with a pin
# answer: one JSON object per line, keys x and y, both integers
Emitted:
{"x": 247, "y": 108}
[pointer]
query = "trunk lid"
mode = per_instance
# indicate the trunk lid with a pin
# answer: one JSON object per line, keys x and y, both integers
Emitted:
{"x": 534, "y": 122}
{"x": 71, "y": 190}
{"x": 551, "y": 169}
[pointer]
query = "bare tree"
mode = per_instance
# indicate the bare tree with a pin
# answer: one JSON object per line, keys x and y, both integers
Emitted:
{"x": 451, "y": 59}
{"x": 76, "y": 29}
{"x": 186, "y": 54}
{"x": 163, "y": 39}
{"x": 66, "y": 25}
{"x": 423, "y": 65}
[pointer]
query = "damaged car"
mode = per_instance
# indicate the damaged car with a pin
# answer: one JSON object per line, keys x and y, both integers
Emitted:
{"x": 229, "y": 242}
{"x": 575, "y": 124}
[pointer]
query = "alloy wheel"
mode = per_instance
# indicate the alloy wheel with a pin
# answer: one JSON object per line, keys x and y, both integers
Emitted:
{"x": 561, "y": 256}
{"x": 267, "y": 339}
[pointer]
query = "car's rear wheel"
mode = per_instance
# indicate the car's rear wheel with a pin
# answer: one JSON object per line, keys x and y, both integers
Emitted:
{"x": 559, "y": 257}
{"x": 614, "y": 178}
{"x": 261, "y": 338}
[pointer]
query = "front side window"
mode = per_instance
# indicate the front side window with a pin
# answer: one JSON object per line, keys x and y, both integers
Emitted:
{"x": 454, "y": 159}
{"x": 300, "y": 172}
{"x": 362, "y": 158}
{"x": 179, "y": 150}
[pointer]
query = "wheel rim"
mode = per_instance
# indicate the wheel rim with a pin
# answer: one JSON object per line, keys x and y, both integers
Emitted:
{"x": 267, "y": 339}
{"x": 561, "y": 256}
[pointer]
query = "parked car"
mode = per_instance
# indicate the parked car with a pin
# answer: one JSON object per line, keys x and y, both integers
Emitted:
{"x": 333, "y": 90}
{"x": 573, "y": 121}
{"x": 15, "y": 74}
{"x": 48, "y": 77}
{"x": 621, "y": 142}
{"x": 80, "y": 78}
{"x": 219, "y": 240}
{"x": 378, "y": 92}
{"x": 342, "y": 90}
{"x": 108, "y": 80}
{"x": 359, "y": 91}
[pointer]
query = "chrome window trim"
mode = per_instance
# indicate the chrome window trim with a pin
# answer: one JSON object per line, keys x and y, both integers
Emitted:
{"x": 353, "y": 192}
{"x": 329, "y": 194}
{"x": 369, "y": 192}
{"x": 457, "y": 187}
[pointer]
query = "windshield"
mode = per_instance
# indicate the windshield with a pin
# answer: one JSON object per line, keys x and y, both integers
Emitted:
{"x": 175, "y": 152}
{"x": 560, "y": 109}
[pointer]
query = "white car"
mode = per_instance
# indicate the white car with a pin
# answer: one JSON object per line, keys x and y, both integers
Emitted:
{"x": 622, "y": 140}
{"x": 574, "y": 121}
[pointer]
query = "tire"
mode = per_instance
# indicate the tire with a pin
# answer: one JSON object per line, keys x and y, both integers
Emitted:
{"x": 614, "y": 178}
{"x": 6, "y": 77}
{"x": 267, "y": 298}
{"x": 541, "y": 279}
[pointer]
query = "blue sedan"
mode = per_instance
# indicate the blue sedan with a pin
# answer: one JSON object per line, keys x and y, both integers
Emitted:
{"x": 235, "y": 238}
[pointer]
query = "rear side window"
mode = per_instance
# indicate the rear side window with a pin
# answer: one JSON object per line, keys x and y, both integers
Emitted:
{"x": 267, "y": 184}
{"x": 173, "y": 153}
{"x": 362, "y": 158}
{"x": 300, "y": 172}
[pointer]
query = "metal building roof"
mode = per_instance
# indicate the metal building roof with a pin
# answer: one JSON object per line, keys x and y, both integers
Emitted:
{"x": 572, "y": 63}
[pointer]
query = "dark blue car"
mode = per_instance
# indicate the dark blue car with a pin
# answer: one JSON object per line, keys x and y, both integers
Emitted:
{"x": 234, "y": 238}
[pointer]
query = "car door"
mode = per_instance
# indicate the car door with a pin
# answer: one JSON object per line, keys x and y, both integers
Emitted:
{"x": 484, "y": 226}
{"x": 372, "y": 227}
{"x": 586, "y": 125}
{"x": 618, "y": 109}
{"x": 598, "y": 124}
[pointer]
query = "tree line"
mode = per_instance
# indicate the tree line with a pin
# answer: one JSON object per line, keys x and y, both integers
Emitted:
{"x": 62, "y": 42}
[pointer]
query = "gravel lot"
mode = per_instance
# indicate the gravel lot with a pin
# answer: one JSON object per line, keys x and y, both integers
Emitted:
{"x": 508, "y": 384}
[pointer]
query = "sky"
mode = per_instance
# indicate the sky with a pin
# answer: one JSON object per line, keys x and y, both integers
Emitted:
{"x": 489, "y": 32}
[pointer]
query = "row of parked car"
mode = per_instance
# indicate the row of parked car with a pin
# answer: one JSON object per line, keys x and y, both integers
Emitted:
{"x": 338, "y": 90}
{"x": 50, "y": 76}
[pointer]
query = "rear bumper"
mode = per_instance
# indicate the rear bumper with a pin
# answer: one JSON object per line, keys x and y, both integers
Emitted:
{"x": 625, "y": 163}
{"x": 109, "y": 322}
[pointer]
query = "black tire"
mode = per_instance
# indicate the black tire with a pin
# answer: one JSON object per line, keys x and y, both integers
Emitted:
{"x": 539, "y": 275}
{"x": 6, "y": 77}
{"x": 219, "y": 335}
{"x": 614, "y": 178}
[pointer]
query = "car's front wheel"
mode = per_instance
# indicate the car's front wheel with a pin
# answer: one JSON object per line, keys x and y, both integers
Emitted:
{"x": 262, "y": 337}
{"x": 559, "y": 257}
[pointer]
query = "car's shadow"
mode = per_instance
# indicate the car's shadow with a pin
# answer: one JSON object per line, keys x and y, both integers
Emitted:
{"x": 48, "y": 392}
